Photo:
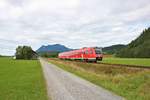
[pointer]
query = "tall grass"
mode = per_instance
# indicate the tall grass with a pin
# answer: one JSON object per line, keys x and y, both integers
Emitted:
{"x": 131, "y": 83}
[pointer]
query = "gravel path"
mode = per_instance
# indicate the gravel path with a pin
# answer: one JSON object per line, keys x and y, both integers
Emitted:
{"x": 62, "y": 85}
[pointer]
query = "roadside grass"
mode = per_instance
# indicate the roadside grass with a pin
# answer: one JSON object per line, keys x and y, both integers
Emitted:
{"x": 21, "y": 80}
{"x": 128, "y": 61}
{"x": 130, "y": 83}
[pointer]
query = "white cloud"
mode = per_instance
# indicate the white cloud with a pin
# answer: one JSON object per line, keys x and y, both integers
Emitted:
{"x": 74, "y": 23}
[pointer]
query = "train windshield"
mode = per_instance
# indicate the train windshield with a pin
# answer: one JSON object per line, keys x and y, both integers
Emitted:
{"x": 98, "y": 51}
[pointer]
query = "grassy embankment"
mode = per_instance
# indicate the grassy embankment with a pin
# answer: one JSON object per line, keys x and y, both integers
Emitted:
{"x": 128, "y": 61}
{"x": 21, "y": 80}
{"x": 131, "y": 83}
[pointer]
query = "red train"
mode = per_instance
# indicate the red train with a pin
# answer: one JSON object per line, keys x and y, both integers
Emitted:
{"x": 85, "y": 54}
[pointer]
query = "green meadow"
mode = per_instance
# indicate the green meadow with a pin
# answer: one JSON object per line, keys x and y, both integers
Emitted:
{"x": 128, "y": 61}
{"x": 21, "y": 80}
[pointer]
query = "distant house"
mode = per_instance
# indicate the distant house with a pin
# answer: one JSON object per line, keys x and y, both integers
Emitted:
{"x": 14, "y": 57}
{"x": 34, "y": 55}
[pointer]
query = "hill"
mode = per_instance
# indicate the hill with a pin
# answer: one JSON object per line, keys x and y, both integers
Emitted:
{"x": 113, "y": 49}
{"x": 53, "y": 48}
{"x": 138, "y": 48}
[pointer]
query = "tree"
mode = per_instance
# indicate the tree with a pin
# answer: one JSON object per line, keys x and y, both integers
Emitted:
{"x": 50, "y": 54}
{"x": 24, "y": 52}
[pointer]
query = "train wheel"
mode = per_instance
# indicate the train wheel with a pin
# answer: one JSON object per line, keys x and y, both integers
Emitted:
{"x": 101, "y": 59}
{"x": 95, "y": 61}
{"x": 85, "y": 60}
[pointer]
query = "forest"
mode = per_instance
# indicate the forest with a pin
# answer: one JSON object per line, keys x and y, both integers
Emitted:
{"x": 138, "y": 48}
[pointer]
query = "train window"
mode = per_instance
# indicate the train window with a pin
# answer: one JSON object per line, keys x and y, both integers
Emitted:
{"x": 86, "y": 52}
{"x": 91, "y": 52}
{"x": 83, "y": 52}
{"x": 98, "y": 51}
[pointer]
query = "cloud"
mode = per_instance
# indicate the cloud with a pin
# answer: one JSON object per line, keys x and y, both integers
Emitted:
{"x": 74, "y": 23}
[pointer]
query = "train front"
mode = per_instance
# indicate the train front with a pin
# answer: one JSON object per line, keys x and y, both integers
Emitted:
{"x": 99, "y": 54}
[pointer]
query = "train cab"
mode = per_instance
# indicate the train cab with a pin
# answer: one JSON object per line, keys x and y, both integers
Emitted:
{"x": 99, "y": 54}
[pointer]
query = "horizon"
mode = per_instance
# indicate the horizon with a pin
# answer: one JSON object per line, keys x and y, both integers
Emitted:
{"x": 73, "y": 23}
{"x": 58, "y": 44}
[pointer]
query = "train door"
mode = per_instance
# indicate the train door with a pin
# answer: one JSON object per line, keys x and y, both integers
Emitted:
{"x": 90, "y": 53}
{"x": 86, "y": 54}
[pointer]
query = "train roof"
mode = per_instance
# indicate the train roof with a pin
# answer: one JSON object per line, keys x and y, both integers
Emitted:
{"x": 92, "y": 47}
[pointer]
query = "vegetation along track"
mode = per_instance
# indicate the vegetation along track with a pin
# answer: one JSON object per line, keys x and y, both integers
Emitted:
{"x": 116, "y": 65}
{"x": 125, "y": 65}
{"x": 129, "y": 82}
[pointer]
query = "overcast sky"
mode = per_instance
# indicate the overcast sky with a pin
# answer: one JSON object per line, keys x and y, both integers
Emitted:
{"x": 74, "y": 23}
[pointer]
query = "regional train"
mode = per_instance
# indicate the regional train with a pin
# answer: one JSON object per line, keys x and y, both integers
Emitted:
{"x": 87, "y": 54}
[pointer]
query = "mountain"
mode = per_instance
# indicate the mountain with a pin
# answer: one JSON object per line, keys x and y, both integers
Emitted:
{"x": 56, "y": 48}
{"x": 113, "y": 49}
{"x": 138, "y": 48}
{"x": 53, "y": 48}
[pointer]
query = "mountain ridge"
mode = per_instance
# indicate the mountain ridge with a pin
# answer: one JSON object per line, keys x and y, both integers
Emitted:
{"x": 113, "y": 49}
{"x": 61, "y": 48}
{"x": 53, "y": 48}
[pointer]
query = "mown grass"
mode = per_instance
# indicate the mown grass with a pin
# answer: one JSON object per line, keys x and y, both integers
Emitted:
{"x": 128, "y": 61}
{"x": 21, "y": 80}
{"x": 131, "y": 83}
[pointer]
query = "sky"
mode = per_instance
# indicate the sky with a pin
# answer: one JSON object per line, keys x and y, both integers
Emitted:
{"x": 73, "y": 23}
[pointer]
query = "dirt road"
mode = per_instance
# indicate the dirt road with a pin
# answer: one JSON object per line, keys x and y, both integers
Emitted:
{"x": 62, "y": 85}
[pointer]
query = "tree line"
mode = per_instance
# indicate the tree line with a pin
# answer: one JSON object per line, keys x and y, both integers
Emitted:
{"x": 47, "y": 54}
{"x": 138, "y": 48}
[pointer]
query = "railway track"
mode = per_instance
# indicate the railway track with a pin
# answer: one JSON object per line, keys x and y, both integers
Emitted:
{"x": 120, "y": 65}
{"x": 124, "y": 65}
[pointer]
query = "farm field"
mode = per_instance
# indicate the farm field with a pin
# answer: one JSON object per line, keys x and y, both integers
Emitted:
{"x": 127, "y": 61}
{"x": 21, "y": 80}
{"x": 130, "y": 83}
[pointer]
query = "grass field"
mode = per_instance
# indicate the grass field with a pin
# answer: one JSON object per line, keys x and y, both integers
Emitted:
{"x": 131, "y": 83}
{"x": 21, "y": 80}
{"x": 127, "y": 61}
